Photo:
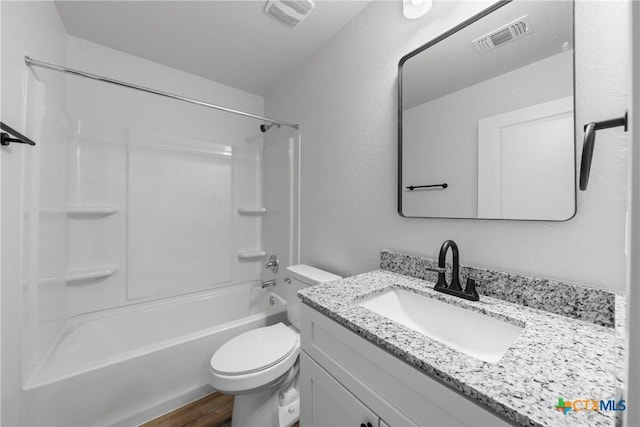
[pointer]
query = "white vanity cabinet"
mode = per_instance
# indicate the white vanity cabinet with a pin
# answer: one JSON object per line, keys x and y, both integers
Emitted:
{"x": 329, "y": 404}
{"x": 346, "y": 380}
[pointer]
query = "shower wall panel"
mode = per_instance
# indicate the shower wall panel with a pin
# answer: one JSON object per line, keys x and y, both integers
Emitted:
{"x": 156, "y": 216}
{"x": 165, "y": 201}
{"x": 180, "y": 218}
{"x": 97, "y": 231}
{"x": 45, "y": 222}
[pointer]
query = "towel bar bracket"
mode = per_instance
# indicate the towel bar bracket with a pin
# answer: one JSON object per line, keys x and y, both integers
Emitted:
{"x": 588, "y": 145}
{"x": 5, "y": 138}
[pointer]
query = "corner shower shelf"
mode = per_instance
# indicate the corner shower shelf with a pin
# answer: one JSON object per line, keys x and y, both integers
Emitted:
{"x": 251, "y": 255}
{"x": 90, "y": 274}
{"x": 91, "y": 211}
{"x": 252, "y": 211}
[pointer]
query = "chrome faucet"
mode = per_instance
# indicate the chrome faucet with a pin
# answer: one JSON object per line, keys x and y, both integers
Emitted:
{"x": 268, "y": 283}
{"x": 454, "y": 287}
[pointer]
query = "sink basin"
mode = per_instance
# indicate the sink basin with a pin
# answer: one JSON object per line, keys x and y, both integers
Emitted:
{"x": 476, "y": 334}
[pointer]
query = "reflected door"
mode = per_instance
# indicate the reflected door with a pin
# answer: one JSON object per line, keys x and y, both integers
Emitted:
{"x": 525, "y": 165}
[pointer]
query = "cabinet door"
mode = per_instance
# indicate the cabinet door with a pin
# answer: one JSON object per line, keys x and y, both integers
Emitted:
{"x": 326, "y": 403}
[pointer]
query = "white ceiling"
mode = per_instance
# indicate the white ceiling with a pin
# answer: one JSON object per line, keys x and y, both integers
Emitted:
{"x": 231, "y": 42}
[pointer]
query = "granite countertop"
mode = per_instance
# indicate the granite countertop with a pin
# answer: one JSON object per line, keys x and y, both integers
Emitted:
{"x": 554, "y": 356}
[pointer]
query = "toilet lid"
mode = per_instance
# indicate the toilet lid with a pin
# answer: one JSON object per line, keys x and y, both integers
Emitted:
{"x": 254, "y": 350}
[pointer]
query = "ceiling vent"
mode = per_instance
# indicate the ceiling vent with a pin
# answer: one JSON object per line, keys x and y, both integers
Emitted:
{"x": 290, "y": 12}
{"x": 513, "y": 30}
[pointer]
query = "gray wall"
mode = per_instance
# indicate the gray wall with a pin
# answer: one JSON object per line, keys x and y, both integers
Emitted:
{"x": 345, "y": 99}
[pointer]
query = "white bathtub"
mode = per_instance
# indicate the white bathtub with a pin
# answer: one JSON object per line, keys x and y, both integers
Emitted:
{"x": 127, "y": 365}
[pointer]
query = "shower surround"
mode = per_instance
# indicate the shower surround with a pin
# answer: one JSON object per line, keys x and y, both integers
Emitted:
{"x": 135, "y": 240}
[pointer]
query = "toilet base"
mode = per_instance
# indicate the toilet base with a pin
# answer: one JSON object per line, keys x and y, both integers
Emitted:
{"x": 269, "y": 408}
{"x": 256, "y": 409}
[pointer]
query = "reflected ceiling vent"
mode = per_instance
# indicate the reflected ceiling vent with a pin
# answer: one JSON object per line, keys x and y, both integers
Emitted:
{"x": 290, "y": 12}
{"x": 496, "y": 38}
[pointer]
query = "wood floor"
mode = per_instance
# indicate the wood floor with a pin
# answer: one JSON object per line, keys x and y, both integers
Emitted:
{"x": 213, "y": 410}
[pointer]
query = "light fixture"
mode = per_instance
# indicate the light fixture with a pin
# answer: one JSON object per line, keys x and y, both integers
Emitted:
{"x": 413, "y": 9}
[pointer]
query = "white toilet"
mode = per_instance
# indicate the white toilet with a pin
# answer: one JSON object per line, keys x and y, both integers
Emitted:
{"x": 260, "y": 367}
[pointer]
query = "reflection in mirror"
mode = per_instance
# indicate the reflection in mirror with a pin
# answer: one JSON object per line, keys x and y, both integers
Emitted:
{"x": 487, "y": 109}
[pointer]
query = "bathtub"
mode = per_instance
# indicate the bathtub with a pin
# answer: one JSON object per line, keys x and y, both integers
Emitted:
{"x": 128, "y": 365}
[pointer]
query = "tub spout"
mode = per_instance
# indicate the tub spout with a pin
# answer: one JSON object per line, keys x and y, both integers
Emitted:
{"x": 268, "y": 283}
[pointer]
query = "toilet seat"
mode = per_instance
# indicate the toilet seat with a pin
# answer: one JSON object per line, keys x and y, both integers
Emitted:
{"x": 254, "y": 359}
{"x": 254, "y": 350}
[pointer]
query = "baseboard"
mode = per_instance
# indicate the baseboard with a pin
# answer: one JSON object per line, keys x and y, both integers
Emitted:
{"x": 165, "y": 407}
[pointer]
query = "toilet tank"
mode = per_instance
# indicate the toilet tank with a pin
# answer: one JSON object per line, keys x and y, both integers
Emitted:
{"x": 300, "y": 276}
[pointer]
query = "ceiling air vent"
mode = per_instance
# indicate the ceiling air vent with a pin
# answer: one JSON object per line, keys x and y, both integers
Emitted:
{"x": 290, "y": 12}
{"x": 513, "y": 30}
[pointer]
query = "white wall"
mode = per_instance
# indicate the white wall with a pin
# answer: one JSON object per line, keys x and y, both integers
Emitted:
{"x": 345, "y": 100}
{"x": 632, "y": 319}
{"x": 102, "y": 174}
{"x": 1, "y": 401}
{"x": 443, "y": 147}
{"x": 27, "y": 28}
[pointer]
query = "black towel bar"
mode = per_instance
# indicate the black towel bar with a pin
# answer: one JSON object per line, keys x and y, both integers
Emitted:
{"x": 413, "y": 187}
{"x": 5, "y": 138}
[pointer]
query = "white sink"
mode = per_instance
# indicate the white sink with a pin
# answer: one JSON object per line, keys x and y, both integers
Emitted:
{"x": 476, "y": 334}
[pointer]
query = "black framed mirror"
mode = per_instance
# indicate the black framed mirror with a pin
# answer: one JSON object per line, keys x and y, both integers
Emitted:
{"x": 486, "y": 117}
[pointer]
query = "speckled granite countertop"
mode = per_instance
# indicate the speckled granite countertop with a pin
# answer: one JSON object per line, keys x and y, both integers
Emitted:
{"x": 554, "y": 356}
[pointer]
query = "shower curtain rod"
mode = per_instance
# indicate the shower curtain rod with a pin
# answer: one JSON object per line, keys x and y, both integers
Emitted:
{"x": 35, "y": 63}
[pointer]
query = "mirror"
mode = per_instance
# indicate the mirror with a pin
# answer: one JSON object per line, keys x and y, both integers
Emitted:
{"x": 486, "y": 117}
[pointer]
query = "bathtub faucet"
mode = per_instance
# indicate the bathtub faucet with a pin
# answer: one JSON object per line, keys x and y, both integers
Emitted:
{"x": 268, "y": 283}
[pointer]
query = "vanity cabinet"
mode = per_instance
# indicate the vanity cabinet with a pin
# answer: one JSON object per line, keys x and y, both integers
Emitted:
{"x": 346, "y": 380}
{"x": 329, "y": 403}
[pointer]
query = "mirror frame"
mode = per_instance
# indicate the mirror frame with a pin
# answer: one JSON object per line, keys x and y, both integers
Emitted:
{"x": 442, "y": 37}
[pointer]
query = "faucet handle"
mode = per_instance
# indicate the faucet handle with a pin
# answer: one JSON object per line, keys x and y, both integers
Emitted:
{"x": 272, "y": 264}
{"x": 437, "y": 269}
{"x": 470, "y": 289}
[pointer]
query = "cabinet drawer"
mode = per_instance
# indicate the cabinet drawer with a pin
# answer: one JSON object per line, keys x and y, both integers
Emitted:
{"x": 399, "y": 393}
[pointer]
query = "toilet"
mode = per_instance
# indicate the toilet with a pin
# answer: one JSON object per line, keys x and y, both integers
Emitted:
{"x": 260, "y": 367}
